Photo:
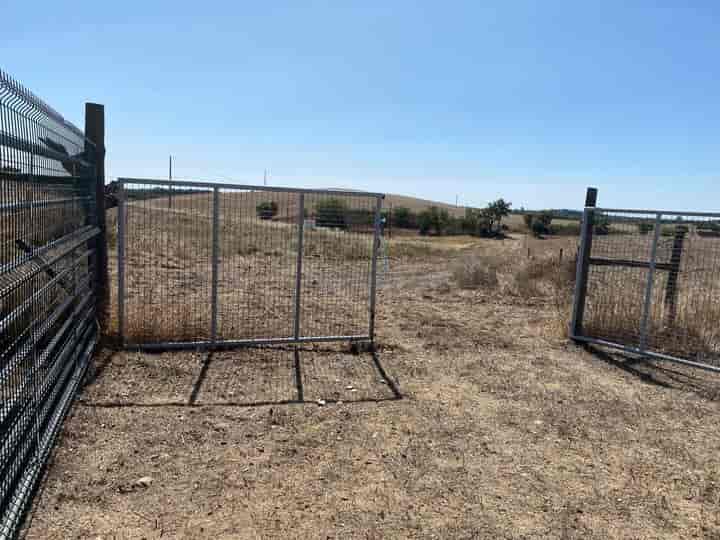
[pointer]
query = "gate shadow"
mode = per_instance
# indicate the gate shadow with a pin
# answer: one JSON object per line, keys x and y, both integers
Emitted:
{"x": 661, "y": 373}
{"x": 248, "y": 377}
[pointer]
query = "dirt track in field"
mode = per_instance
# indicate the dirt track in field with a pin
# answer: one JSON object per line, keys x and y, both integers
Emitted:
{"x": 502, "y": 430}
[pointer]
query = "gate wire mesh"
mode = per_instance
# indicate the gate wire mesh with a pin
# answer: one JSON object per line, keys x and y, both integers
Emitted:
{"x": 653, "y": 282}
{"x": 203, "y": 264}
{"x": 47, "y": 296}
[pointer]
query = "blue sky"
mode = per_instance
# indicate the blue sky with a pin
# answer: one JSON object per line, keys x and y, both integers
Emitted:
{"x": 532, "y": 101}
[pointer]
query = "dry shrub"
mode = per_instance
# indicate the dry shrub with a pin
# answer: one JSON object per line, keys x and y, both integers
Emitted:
{"x": 477, "y": 272}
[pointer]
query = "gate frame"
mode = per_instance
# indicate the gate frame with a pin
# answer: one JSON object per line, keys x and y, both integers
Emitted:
{"x": 584, "y": 261}
{"x": 213, "y": 343}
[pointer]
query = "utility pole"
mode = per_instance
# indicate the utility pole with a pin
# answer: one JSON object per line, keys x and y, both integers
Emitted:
{"x": 265, "y": 178}
{"x": 457, "y": 201}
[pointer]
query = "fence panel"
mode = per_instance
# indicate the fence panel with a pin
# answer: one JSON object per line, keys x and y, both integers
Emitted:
{"x": 206, "y": 264}
{"x": 48, "y": 289}
{"x": 652, "y": 284}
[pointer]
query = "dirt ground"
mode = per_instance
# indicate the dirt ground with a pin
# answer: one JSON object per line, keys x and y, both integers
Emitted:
{"x": 475, "y": 419}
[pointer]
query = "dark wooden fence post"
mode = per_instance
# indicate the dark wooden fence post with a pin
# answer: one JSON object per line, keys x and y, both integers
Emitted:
{"x": 95, "y": 134}
{"x": 583, "y": 263}
{"x": 671, "y": 290}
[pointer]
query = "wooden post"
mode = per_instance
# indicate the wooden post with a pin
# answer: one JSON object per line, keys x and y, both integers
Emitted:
{"x": 671, "y": 290}
{"x": 583, "y": 267}
{"x": 95, "y": 134}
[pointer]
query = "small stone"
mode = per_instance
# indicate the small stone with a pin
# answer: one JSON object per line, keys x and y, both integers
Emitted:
{"x": 145, "y": 481}
{"x": 349, "y": 387}
{"x": 321, "y": 402}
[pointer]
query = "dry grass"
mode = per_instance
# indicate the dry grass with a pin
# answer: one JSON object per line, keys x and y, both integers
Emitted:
{"x": 473, "y": 273}
{"x": 504, "y": 431}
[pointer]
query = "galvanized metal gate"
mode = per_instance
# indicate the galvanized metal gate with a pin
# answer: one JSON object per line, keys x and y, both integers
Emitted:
{"x": 48, "y": 284}
{"x": 213, "y": 264}
{"x": 648, "y": 282}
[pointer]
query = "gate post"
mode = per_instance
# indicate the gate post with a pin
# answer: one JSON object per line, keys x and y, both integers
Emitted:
{"x": 373, "y": 267}
{"x": 671, "y": 290}
{"x": 121, "y": 217}
{"x": 649, "y": 286}
{"x": 214, "y": 264}
{"x": 298, "y": 271}
{"x": 95, "y": 153}
{"x": 583, "y": 263}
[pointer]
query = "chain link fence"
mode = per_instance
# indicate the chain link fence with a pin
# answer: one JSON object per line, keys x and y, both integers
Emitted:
{"x": 203, "y": 264}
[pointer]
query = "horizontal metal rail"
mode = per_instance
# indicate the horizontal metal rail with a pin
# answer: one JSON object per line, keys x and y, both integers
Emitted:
{"x": 79, "y": 236}
{"x": 627, "y": 263}
{"x": 28, "y": 205}
{"x": 646, "y": 353}
{"x": 656, "y": 212}
{"x": 213, "y": 185}
{"x": 22, "y": 308}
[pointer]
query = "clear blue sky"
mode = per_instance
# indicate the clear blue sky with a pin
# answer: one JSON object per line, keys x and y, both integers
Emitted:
{"x": 532, "y": 101}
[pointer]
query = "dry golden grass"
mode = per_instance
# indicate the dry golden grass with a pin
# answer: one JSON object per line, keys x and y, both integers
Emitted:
{"x": 504, "y": 431}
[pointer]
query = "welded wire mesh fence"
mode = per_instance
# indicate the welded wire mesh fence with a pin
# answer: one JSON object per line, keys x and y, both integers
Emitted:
{"x": 202, "y": 264}
{"x": 47, "y": 288}
{"x": 649, "y": 283}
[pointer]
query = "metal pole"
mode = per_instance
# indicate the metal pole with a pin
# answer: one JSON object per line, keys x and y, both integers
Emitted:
{"x": 373, "y": 267}
{"x": 215, "y": 258}
{"x": 649, "y": 286}
{"x": 583, "y": 263}
{"x": 170, "y": 180}
{"x": 121, "y": 261}
{"x": 298, "y": 272}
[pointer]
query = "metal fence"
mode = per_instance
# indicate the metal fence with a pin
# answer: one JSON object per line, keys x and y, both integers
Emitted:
{"x": 648, "y": 282}
{"x": 203, "y": 265}
{"x": 48, "y": 225}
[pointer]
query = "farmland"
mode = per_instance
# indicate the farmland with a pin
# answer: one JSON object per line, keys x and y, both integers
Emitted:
{"x": 475, "y": 419}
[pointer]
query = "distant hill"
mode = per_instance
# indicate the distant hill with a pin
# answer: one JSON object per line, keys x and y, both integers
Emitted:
{"x": 417, "y": 205}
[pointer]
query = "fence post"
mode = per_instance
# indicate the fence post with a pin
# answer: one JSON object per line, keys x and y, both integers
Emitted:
{"x": 583, "y": 263}
{"x": 214, "y": 263}
{"x": 298, "y": 271}
{"x": 95, "y": 150}
{"x": 649, "y": 286}
{"x": 373, "y": 267}
{"x": 121, "y": 217}
{"x": 671, "y": 290}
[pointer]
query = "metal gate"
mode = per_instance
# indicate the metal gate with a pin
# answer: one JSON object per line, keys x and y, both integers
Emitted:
{"x": 648, "y": 282}
{"x": 207, "y": 264}
{"x": 49, "y": 284}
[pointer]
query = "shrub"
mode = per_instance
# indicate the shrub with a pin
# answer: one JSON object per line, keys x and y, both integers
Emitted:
{"x": 435, "y": 220}
{"x": 601, "y": 225}
{"x": 475, "y": 273}
{"x": 267, "y": 209}
{"x": 404, "y": 218}
{"x": 645, "y": 227}
{"x": 331, "y": 212}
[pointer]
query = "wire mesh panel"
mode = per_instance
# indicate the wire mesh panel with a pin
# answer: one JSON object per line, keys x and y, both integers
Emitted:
{"x": 652, "y": 283}
{"x": 204, "y": 264}
{"x": 47, "y": 288}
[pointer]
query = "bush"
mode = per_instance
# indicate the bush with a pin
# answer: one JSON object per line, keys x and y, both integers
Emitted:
{"x": 539, "y": 224}
{"x": 403, "y": 218}
{"x": 473, "y": 273}
{"x": 434, "y": 220}
{"x": 331, "y": 212}
{"x": 645, "y": 227}
{"x": 267, "y": 209}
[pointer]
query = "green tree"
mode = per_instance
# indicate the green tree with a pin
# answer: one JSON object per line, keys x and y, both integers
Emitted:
{"x": 266, "y": 209}
{"x": 332, "y": 212}
{"x": 495, "y": 212}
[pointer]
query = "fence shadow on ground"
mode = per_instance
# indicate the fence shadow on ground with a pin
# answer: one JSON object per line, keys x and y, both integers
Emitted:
{"x": 248, "y": 377}
{"x": 661, "y": 373}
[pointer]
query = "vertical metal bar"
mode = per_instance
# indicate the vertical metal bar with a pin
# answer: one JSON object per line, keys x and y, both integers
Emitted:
{"x": 649, "y": 286}
{"x": 298, "y": 271}
{"x": 215, "y": 259}
{"x": 121, "y": 261}
{"x": 373, "y": 266}
{"x": 581, "y": 282}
